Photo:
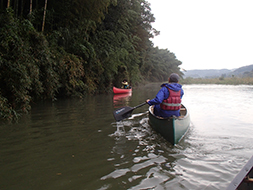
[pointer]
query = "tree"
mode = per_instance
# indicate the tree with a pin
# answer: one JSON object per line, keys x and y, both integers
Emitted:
{"x": 8, "y": 3}
{"x": 86, "y": 46}
{"x": 44, "y": 16}
{"x": 31, "y": 6}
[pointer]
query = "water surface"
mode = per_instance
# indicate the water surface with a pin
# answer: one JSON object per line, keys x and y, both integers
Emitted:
{"x": 76, "y": 144}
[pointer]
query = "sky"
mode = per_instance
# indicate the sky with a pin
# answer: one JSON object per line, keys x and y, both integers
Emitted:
{"x": 205, "y": 34}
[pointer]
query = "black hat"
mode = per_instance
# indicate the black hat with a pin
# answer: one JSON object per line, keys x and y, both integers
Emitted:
{"x": 174, "y": 77}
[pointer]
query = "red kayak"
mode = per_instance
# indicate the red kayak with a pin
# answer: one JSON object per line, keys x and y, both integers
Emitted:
{"x": 121, "y": 90}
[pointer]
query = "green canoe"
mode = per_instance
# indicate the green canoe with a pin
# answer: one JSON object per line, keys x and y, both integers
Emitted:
{"x": 172, "y": 129}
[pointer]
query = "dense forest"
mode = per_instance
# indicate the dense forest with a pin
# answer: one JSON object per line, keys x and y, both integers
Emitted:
{"x": 64, "y": 48}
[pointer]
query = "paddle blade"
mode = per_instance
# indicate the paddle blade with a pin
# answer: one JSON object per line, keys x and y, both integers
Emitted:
{"x": 122, "y": 113}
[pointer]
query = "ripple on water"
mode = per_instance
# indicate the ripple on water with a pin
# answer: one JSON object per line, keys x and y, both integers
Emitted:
{"x": 208, "y": 157}
{"x": 145, "y": 166}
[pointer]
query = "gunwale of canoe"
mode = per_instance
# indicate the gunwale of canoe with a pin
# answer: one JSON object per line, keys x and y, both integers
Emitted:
{"x": 121, "y": 90}
{"x": 244, "y": 179}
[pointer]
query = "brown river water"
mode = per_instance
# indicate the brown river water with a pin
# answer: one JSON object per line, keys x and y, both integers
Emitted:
{"x": 76, "y": 144}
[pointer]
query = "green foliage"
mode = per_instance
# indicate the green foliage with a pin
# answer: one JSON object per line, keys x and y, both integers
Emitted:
{"x": 159, "y": 64}
{"x": 14, "y": 68}
{"x": 87, "y": 47}
{"x": 71, "y": 72}
{"x": 7, "y": 113}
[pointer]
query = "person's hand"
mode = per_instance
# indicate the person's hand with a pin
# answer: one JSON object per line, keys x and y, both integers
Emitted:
{"x": 147, "y": 100}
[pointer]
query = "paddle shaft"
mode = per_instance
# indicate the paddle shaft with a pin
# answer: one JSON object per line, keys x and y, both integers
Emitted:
{"x": 125, "y": 112}
{"x": 140, "y": 105}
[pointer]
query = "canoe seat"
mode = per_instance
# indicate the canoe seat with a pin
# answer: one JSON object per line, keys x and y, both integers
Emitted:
{"x": 180, "y": 117}
{"x": 247, "y": 179}
{"x": 182, "y": 112}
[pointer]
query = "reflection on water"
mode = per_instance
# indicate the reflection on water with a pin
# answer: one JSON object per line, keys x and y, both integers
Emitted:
{"x": 120, "y": 100}
{"x": 76, "y": 144}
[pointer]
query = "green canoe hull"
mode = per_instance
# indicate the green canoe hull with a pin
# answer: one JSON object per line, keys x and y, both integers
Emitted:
{"x": 172, "y": 129}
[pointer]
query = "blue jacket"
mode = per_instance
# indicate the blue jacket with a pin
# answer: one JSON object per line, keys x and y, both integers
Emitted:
{"x": 162, "y": 95}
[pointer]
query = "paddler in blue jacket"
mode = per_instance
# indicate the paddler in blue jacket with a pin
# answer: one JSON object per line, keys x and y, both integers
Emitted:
{"x": 168, "y": 100}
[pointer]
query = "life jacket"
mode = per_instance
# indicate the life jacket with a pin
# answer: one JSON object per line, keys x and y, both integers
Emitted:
{"x": 125, "y": 86}
{"x": 173, "y": 102}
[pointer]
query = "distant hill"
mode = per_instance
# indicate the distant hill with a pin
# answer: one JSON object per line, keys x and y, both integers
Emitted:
{"x": 243, "y": 71}
{"x": 214, "y": 73}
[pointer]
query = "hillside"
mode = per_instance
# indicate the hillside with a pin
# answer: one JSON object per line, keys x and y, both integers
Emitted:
{"x": 214, "y": 73}
{"x": 243, "y": 71}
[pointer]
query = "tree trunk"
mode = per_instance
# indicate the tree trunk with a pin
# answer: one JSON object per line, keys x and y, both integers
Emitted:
{"x": 15, "y": 7}
{"x": 44, "y": 16}
{"x": 8, "y": 3}
{"x": 31, "y": 6}
{"x": 22, "y": 8}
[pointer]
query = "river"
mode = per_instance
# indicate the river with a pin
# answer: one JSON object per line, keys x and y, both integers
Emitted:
{"x": 76, "y": 143}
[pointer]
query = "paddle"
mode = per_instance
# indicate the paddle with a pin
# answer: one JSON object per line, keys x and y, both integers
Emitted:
{"x": 125, "y": 112}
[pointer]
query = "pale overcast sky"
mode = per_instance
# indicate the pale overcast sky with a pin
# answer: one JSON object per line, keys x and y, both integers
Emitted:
{"x": 205, "y": 34}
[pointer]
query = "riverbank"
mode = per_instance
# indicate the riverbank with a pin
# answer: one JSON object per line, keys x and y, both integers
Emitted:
{"x": 221, "y": 80}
